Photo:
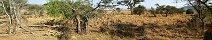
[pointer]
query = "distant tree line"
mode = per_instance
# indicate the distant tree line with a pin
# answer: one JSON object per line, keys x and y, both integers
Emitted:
{"x": 160, "y": 9}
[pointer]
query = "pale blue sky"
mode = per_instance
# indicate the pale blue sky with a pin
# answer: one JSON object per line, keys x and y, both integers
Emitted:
{"x": 147, "y": 3}
{"x": 37, "y": 1}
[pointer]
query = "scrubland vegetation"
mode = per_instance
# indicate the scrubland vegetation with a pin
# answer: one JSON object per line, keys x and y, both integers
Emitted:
{"x": 84, "y": 20}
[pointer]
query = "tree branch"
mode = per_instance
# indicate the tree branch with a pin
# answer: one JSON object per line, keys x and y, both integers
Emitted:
{"x": 189, "y": 1}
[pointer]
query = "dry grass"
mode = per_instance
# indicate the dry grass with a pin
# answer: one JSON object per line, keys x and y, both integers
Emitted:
{"x": 117, "y": 27}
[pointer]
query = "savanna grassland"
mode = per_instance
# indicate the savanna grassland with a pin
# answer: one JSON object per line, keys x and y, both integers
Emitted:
{"x": 105, "y": 20}
{"x": 110, "y": 27}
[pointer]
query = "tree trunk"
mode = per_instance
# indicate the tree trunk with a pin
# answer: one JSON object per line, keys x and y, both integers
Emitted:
{"x": 86, "y": 27}
{"x": 167, "y": 14}
{"x": 129, "y": 4}
{"x": 17, "y": 19}
{"x": 131, "y": 9}
{"x": 154, "y": 14}
{"x": 78, "y": 24}
{"x": 202, "y": 23}
{"x": 85, "y": 24}
{"x": 10, "y": 18}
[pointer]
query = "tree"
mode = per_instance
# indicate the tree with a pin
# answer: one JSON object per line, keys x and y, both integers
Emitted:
{"x": 138, "y": 10}
{"x": 153, "y": 11}
{"x": 159, "y": 8}
{"x": 168, "y": 9}
{"x": 35, "y": 9}
{"x": 12, "y": 9}
{"x": 108, "y": 5}
{"x": 130, "y": 3}
{"x": 202, "y": 7}
{"x": 189, "y": 11}
{"x": 80, "y": 10}
{"x": 59, "y": 8}
{"x": 199, "y": 7}
{"x": 180, "y": 10}
{"x": 5, "y": 6}
{"x": 118, "y": 9}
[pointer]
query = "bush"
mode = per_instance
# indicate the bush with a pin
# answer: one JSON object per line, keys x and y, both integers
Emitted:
{"x": 168, "y": 9}
{"x": 118, "y": 9}
{"x": 138, "y": 10}
{"x": 180, "y": 10}
{"x": 189, "y": 11}
{"x": 152, "y": 11}
{"x": 58, "y": 8}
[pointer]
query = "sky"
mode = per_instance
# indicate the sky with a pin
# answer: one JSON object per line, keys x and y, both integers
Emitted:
{"x": 37, "y": 1}
{"x": 147, "y": 3}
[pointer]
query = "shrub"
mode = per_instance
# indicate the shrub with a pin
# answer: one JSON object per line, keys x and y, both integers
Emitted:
{"x": 118, "y": 9}
{"x": 189, "y": 11}
{"x": 138, "y": 10}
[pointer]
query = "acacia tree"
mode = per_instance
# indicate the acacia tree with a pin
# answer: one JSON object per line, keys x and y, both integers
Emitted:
{"x": 139, "y": 9}
{"x": 153, "y": 11}
{"x": 5, "y": 6}
{"x": 107, "y": 5}
{"x": 79, "y": 10}
{"x": 168, "y": 9}
{"x": 130, "y": 3}
{"x": 171, "y": 9}
{"x": 36, "y": 9}
{"x": 199, "y": 6}
{"x": 160, "y": 8}
{"x": 12, "y": 10}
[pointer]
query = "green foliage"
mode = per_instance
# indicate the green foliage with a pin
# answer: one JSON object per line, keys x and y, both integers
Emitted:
{"x": 130, "y": 3}
{"x": 65, "y": 9}
{"x": 20, "y": 2}
{"x": 152, "y": 11}
{"x": 172, "y": 9}
{"x": 35, "y": 9}
{"x": 118, "y": 9}
{"x": 106, "y": 1}
{"x": 180, "y": 10}
{"x": 58, "y": 8}
{"x": 16, "y": 4}
{"x": 189, "y": 11}
{"x": 159, "y": 8}
{"x": 106, "y": 4}
{"x": 168, "y": 9}
{"x": 138, "y": 10}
